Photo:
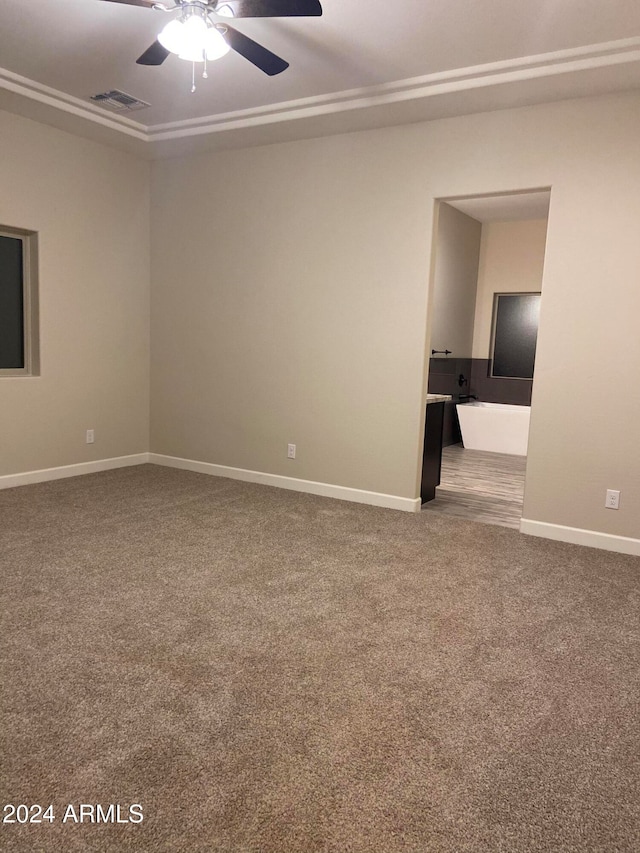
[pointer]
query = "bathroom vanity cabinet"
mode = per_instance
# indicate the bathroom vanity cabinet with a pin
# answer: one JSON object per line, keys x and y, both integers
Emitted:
{"x": 432, "y": 455}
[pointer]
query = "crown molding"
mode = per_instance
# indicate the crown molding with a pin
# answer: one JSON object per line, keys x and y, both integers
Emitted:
{"x": 416, "y": 89}
{"x": 76, "y": 107}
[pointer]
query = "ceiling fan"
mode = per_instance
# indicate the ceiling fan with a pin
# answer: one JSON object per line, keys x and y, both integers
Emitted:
{"x": 194, "y": 33}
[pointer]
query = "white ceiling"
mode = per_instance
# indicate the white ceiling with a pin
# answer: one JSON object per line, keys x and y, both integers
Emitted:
{"x": 362, "y": 64}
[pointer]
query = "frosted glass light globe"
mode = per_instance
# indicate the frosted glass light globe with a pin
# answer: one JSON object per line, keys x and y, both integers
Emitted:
{"x": 215, "y": 45}
{"x": 194, "y": 31}
{"x": 172, "y": 36}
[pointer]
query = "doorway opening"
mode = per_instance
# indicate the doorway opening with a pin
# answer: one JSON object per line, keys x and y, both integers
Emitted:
{"x": 486, "y": 290}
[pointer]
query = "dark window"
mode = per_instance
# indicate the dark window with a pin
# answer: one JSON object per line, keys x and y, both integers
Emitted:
{"x": 18, "y": 302}
{"x": 515, "y": 332}
{"x": 11, "y": 304}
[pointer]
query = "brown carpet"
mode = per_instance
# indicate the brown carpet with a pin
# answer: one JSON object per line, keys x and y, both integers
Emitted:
{"x": 270, "y": 672}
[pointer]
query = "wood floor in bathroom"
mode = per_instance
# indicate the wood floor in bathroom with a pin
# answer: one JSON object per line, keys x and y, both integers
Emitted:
{"x": 480, "y": 486}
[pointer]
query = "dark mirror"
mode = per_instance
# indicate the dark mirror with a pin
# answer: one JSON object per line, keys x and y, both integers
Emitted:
{"x": 515, "y": 332}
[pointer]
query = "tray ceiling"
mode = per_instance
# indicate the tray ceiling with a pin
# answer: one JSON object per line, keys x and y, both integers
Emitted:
{"x": 359, "y": 65}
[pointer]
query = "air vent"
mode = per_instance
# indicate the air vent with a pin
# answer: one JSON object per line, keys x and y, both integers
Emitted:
{"x": 118, "y": 102}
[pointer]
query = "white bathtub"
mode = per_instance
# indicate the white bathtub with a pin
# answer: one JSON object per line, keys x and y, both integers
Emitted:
{"x": 494, "y": 427}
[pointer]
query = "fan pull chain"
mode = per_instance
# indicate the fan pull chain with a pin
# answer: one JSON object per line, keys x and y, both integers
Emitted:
{"x": 204, "y": 73}
{"x": 193, "y": 77}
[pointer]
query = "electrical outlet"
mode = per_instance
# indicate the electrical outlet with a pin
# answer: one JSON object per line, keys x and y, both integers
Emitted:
{"x": 612, "y": 500}
{"x": 291, "y": 451}
{"x": 90, "y": 436}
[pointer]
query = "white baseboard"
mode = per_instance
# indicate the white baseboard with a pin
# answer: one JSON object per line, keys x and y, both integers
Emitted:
{"x": 577, "y": 536}
{"x": 326, "y": 490}
{"x": 8, "y": 481}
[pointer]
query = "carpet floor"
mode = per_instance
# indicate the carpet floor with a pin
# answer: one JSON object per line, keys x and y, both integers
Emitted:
{"x": 270, "y": 672}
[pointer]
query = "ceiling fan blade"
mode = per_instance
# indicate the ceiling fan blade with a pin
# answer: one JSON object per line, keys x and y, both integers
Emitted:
{"x": 154, "y": 55}
{"x": 269, "y": 8}
{"x": 251, "y": 50}
{"x": 148, "y": 4}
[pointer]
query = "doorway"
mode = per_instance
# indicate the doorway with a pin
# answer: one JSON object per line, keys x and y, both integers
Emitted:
{"x": 485, "y": 297}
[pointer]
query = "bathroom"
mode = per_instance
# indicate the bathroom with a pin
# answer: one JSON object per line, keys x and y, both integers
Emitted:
{"x": 484, "y": 306}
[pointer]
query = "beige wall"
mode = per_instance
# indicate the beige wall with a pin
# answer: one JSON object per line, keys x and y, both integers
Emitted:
{"x": 89, "y": 205}
{"x": 455, "y": 281}
{"x": 289, "y": 306}
{"x": 511, "y": 261}
{"x": 290, "y": 293}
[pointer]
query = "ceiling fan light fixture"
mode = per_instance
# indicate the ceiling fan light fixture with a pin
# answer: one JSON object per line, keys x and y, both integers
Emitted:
{"x": 194, "y": 38}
